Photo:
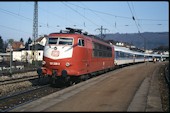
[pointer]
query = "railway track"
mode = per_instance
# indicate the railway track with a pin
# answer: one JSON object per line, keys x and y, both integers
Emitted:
{"x": 11, "y": 101}
{"x": 166, "y": 72}
{"x": 16, "y": 80}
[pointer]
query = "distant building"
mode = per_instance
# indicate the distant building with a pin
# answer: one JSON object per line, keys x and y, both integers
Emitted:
{"x": 19, "y": 54}
{"x": 166, "y": 53}
{"x": 119, "y": 44}
{"x": 27, "y": 55}
{"x": 16, "y": 46}
{"x": 41, "y": 40}
{"x": 148, "y": 51}
{"x": 39, "y": 43}
{"x": 132, "y": 46}
{"x": 37, "y": 53}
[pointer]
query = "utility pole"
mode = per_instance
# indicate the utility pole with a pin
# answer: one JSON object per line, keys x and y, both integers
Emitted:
{"x": 35, "y": 28}
{"x": 11, "y": 58}
{"x": 144, "y": 44}
{"x": 144, "y": 40}
{"x": 101, "y": 31}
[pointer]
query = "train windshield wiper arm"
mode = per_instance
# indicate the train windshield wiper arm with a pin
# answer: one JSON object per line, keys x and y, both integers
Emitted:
{"x": 65, "y": 45}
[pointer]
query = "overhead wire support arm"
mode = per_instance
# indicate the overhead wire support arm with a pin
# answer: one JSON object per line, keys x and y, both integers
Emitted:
{"x": 101, "y": 31}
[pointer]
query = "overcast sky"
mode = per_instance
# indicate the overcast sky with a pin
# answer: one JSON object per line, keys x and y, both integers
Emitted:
{"x": 16, "y": 18}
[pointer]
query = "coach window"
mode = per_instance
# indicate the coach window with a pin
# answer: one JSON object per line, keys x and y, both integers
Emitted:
{"x": 81, "y": 42}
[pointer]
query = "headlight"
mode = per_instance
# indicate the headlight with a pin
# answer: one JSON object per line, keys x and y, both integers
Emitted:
{"x": 43, "y": 62}
{"x": 67, "y": 64}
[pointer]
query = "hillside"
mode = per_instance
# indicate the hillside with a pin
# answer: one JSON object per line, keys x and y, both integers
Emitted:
{"x": 153, "y": 39}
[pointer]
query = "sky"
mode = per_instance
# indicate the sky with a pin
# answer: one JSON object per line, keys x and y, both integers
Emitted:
{"x": 16, "y": 18}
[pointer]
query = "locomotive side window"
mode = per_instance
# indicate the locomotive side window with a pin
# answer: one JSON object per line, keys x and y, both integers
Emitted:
{"x": 100, "y": 50}
{"x": 81, "y": 42}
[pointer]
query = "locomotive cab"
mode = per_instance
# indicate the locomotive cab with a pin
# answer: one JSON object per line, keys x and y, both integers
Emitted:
{"x": 57, "y": 54}
{"x": 65, "y": 54}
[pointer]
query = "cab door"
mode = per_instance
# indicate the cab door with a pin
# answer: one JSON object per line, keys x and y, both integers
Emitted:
{"x": 83, "y": 55}
{"x": 89, "y": 55}
{"x": 85, "y": 44}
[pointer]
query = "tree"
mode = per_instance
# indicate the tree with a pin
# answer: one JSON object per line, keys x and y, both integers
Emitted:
{"x": 27, "y": 43}
{"x": 1, "y": 44}
{"x": 10, "y": 41}
{"x": 162, "y": 48}
{"x": 21, "y": 40}
{"x": 5, "y": 45}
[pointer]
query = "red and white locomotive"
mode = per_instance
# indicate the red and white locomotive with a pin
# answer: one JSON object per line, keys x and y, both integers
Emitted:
{"x": 73, "y": 54}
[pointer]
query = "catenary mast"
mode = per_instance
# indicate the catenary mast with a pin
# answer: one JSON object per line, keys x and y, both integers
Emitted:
{"x": 35, "y": 28}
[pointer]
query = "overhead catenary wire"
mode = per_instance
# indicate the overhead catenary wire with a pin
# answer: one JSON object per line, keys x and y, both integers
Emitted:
{"x": 123, "y": 17}
{"x": 54, "y": 14}
{"x": 16, "y": 15}
{"x": 117, "y": 16}
{"x": 97, "y": 15}
{"x": 133, "y": 17}
{"x": 80, "y": 14}
{"x": 138, "y": 27}
{"x": 15, "y": 29}
{"x": 85, "y": 8}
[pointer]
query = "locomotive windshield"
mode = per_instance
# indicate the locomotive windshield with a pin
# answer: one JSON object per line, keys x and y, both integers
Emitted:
{"x": 60, "y": 41}
{"x": 65, "y": 41}
{"x": 52, "y": 40}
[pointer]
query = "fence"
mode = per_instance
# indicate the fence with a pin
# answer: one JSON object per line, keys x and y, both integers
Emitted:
{"x": 18, "y": 63}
